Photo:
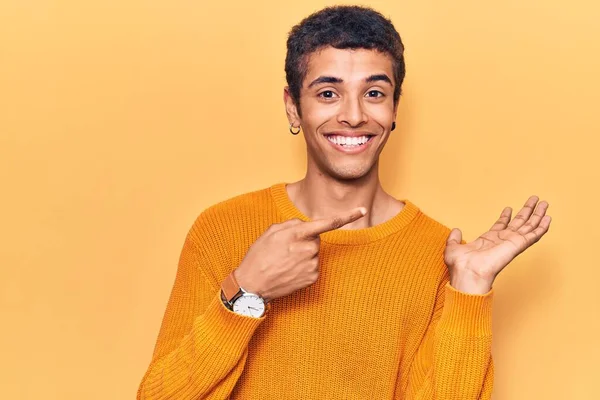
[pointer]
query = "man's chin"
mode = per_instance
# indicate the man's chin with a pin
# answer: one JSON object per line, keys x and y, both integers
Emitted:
{"x": 340, "y": 169}
{"x": 349, "y": 172}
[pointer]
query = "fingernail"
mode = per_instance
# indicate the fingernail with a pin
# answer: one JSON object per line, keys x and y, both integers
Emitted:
{"x": 363, "y": 210}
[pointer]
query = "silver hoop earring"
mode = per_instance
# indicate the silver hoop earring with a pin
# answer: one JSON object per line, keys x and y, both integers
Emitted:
{"x": 294, "y": 133}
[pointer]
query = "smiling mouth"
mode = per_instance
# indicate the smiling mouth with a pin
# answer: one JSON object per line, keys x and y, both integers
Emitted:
{"x": 349, "y": 142}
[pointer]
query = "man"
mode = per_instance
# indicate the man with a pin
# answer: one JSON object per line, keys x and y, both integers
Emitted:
{"x": 329, "y": 287}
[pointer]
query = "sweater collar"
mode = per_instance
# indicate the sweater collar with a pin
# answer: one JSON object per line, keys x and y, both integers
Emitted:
{"x": 346, "y": 236}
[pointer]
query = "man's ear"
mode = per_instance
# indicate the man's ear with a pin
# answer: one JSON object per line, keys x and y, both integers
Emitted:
{"x": 290, "y": 107}
{"x": 395, "y": 114}
{"x": 396, "y": 108}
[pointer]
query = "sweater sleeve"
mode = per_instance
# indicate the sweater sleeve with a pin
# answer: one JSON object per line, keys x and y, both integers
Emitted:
{"x": 201, "y": 348}
{"x": 454, "y": 360}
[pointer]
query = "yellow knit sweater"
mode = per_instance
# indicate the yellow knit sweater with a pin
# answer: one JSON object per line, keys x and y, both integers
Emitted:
{"x": 381, "y": 322}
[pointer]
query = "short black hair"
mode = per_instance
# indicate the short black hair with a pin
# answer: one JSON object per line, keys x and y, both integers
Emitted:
{"x": 342, "y": 27}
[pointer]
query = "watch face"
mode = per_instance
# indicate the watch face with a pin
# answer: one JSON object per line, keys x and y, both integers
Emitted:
{"x": 249, "y": 304}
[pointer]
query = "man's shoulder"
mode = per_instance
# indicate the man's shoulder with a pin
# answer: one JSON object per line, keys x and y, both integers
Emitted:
{"x": 244, "y": 207}
{"x": 430, "y": 237}
{"x": 430, "y": 229}
{"x": 220, "y": 230}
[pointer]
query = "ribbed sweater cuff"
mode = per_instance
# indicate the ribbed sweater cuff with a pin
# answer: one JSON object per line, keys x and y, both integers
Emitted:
{"x": 229, "y": 331}
{"x": 466, "y": 314}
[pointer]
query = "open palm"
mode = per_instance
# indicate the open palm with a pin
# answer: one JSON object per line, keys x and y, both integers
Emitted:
{"x": 487, "y": 255}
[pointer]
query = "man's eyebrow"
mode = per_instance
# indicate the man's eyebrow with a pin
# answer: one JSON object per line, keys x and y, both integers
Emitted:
{"x": 379, "y": 77}
{"x": 325, "y": 79}
{"x": 333, "y": 79}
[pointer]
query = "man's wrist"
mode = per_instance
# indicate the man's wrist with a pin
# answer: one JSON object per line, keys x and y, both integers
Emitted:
{"x": 470, "y": 284}
{"x": 248, "y": 286}
{"x": 232, "y": 289}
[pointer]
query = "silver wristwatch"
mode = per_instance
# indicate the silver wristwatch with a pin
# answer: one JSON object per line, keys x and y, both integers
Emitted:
{"x": 240, "y": 301}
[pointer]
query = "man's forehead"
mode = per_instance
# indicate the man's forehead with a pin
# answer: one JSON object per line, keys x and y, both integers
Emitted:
{"x": 348, "y": 64}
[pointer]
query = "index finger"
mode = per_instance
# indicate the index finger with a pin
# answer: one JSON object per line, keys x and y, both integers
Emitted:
{"x": 312, "y": 229}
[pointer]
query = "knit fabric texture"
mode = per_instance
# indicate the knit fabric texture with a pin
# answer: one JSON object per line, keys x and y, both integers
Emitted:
{"x": 381, "y": 322}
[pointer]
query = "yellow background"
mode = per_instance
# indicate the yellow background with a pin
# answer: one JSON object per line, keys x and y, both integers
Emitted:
{"x": 120, "y": 121}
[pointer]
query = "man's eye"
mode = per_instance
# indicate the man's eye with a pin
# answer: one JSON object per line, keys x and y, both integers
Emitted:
{"x": 376, "y": 91}
{"x": 328, "y": 94}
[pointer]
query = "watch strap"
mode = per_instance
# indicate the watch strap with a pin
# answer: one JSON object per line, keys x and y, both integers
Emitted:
{"x": 230, "y": 287}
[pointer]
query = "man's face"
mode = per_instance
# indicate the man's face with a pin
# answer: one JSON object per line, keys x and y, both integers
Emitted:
{"x": 347, "y": 95}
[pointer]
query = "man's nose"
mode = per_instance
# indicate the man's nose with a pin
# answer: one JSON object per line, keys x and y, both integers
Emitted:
{"x": 352, "y": 112}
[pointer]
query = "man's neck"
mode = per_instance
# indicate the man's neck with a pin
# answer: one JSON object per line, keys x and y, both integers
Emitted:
{"x": 321, "y": 196}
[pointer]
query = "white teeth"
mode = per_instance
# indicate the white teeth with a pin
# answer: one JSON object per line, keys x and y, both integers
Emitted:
{"x": 348, "y": 141}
